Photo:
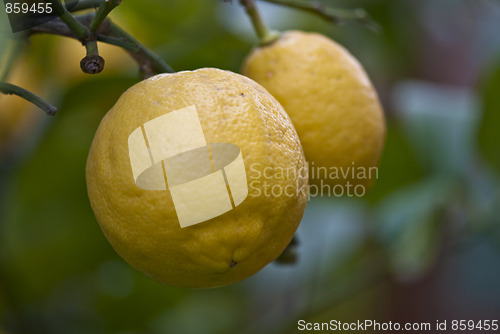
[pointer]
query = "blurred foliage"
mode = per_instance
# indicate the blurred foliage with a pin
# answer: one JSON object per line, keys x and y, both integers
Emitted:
{"x": 488, "y": 136}
{"x": 423, "y": 242}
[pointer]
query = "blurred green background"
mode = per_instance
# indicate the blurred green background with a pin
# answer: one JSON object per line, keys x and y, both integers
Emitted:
{"x": 423, "y": 245}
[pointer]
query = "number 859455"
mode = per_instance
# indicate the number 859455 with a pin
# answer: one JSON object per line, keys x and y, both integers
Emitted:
{"x": 26, "y": 8}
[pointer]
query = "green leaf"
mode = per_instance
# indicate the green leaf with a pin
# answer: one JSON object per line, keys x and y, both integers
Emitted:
{"x": 489, "y": 134}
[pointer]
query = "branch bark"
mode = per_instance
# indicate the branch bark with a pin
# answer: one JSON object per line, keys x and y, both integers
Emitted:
{"x": 11, "y": 89}
{"x": 108, "y": 32}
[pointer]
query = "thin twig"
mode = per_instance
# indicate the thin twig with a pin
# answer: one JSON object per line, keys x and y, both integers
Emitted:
{"x": 92, "y": 63}
{"x": 8, "y": 88}
{"x": 102, "y": 12}
{"x": 266, "y": 36}
{"x": 149, "y": 63}
{"x": 80, "y": 30}
{"x": 335, "y": 15}
{"x": 58, "y": 27}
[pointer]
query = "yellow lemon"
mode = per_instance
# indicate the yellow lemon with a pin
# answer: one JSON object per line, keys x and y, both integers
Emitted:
{"x": 332, "y": 104}
{"x": 168, "y": 124}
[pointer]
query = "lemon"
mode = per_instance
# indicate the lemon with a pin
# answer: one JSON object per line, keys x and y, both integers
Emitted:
{"x": 331, "y": 101}
{"x": 143, "y": 225}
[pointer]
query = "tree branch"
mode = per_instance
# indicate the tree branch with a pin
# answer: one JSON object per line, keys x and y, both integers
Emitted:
{"x": 335, "y": 15}
{"x": 107, "y": 32}
{"x": 102, "y": 12}
{"x": 9, "y": 89}
{"x": 80, "y": 30}
{"x": 266, "y": 36}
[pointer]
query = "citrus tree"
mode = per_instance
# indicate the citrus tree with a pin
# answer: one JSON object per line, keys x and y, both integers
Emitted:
{"x": 199, "y": 177}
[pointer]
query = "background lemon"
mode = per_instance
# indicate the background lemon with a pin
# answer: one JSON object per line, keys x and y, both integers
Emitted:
{"x": 142, "y": 225}
{"x": 329, "y": 98}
